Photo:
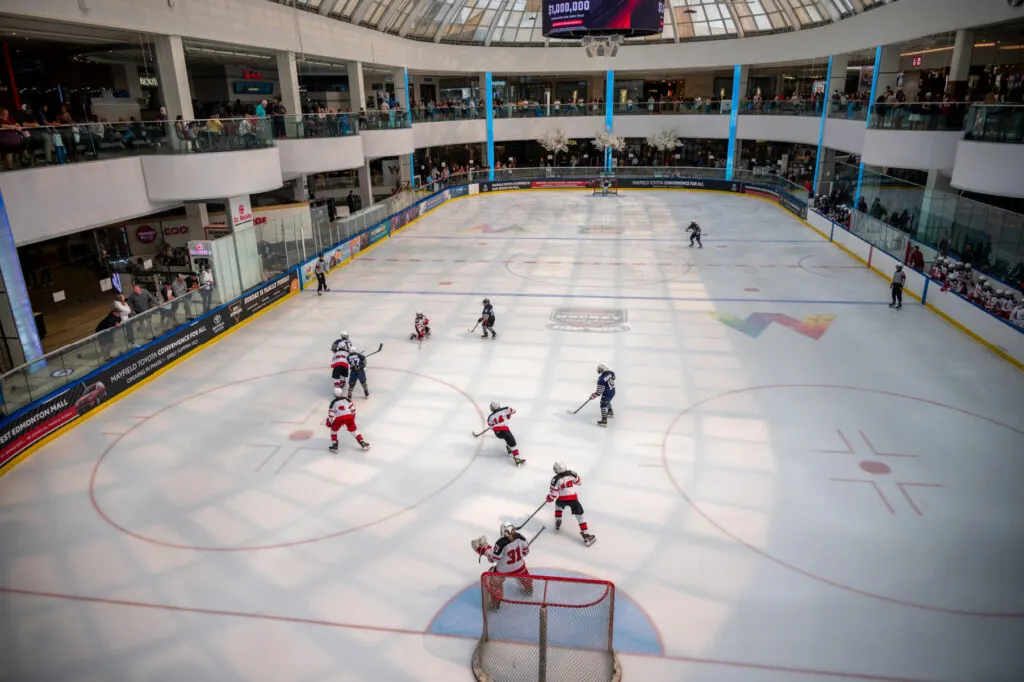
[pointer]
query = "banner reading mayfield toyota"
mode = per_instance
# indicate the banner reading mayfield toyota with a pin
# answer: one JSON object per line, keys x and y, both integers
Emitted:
{"x": 28, "y": 428}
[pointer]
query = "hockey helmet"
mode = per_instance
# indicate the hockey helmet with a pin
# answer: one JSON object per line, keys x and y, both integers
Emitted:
{"x": 487, "y": 301}
{"x": 344, "y": 335}
{"x": 495, "y": 405}
{"x": 982, "y": 280}
{"x": 419, "y": 313}
{"x": 601, "y": 368}
{"x": 558, "y": 467}
{"x": 337, "y": 392}
{"x": 507, "y": 529}
{"x": 967, "y": 266}
{"x": 899, "y": 266}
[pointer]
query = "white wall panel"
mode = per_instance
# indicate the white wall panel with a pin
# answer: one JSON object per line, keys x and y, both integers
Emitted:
{"x": 187, "y": 177}
{"x": 802, "y": 129}
{"x": 379, "y": 144}
{"x": 987, "y": 167}
{"x": 48, "y": 202}
{"x": 698, "y": 127}
{"x": 846, "y": 136}
{"x": 448, "y": 132}
{"x": 534, "y": 128}
{"x": 317, "y": 155}
{"x": 910, "y": 148}
{"x": 271, "y": 27}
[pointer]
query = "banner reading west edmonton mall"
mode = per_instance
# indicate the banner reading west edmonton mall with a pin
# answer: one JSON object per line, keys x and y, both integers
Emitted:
{"x": 27, "y": 428}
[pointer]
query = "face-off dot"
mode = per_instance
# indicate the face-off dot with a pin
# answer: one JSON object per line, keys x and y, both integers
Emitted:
{"x": 877, "y": 468}
{"x": 751, "y": 289}
{"x": 301, "y": 434}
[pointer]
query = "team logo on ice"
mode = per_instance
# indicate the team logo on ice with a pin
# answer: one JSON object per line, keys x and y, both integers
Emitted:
{"x": 812, "y": 326}
{"x": 589, "y": 320}
{"x": 600, "y": 229}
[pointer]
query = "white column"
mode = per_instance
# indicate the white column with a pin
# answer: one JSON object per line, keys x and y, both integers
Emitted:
{"x": 837, "y": 76}
{"x": 173, "y": 76}
{"x": 197, "y": 217}
{"x": 288, "y": 76}
{"x": 398, "y": 74}
{"x": 365, "y": 187}
{"x": 357, "y": 90}
{"x": 888, "y": 69}
{"x": 300, "y": 193}
{"x": 960, "y": 67}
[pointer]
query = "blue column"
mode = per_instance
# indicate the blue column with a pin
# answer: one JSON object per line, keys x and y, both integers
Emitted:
{"x": 16, "y": 294}
{"x": 867, "y": 120}
{"x": 408, "y": 114}
{"x": 609, "y": 110}
{"x": 489, "y": 106}
{"x": 733, "y": 116}
{"x": 821, "y": 131}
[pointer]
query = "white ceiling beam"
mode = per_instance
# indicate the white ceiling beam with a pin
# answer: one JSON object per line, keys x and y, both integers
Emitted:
{"x": 453, "y": 9}
{"x": 671, "y": 9}
{"x": 736, "y": 18}
{"x": 830, "y": 9}
{"x": 787, "y": 9}
{"x": 415, "y": 16}
{"x": 394, "y": 8}
{"x": 494, "y": 24}
{"x": 361, "y": 10}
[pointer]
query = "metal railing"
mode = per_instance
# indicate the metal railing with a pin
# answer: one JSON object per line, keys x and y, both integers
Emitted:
{"x": 850, "y": 111}
{"x": 935, "y": 116}
{"x": 995, "y": 123}
{"x": 775, "y": 107}
{"x": 31, "y": 381}
{"x": 704, "y": 107}
{"x": 384, "y": 120}
{"x": 321, "y": 125}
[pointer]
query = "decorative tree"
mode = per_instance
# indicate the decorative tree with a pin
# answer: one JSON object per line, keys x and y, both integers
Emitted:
{"x": 606, "y": 140}
{"x": 554, "y": 141}
{"x": 664, "y": 142}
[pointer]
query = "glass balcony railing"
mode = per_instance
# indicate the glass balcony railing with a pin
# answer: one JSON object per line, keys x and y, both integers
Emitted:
{"x": 554, "y": 109}
{"x": 58, "y": 144}
{"x": 447, "y": 112}
{"x": 67, "y": 365}
{"x": 850, "y": 111}
{"x": 934, "y": 116}
{"x": 668, "y": 108}
{"x": 321, "y": 125}
{"x": 789, "y": 107}
{"x": 384, "y": 120}
{"x": 995, "y": 123}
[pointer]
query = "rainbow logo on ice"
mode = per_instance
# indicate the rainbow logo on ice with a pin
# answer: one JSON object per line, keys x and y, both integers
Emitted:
{"x": 812, "y": 326}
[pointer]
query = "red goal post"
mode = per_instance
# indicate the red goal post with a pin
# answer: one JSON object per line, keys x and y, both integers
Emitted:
{"x": 546, "y": 629}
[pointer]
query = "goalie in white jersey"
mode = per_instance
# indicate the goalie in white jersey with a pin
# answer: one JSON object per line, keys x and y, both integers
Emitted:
{"x": 509, "y": 558}
{"x": 342, "y": 412}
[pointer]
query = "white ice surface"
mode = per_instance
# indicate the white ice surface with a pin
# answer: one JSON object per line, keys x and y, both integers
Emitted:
{"x": 131, "y": 547}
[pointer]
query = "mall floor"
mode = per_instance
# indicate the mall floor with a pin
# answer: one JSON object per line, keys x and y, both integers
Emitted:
{"x": 799, "y": 483}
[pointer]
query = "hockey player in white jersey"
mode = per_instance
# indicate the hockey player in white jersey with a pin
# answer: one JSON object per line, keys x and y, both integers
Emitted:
{"x": 341, "y": 343}
{"x": 563, "y": 493}
{"x": 508, "y": 555}
{"x": 342, "y": 412}
{"x": 498, "y": 420}
{"x": 422, "y": 326}
{"x": 339, "y": 365}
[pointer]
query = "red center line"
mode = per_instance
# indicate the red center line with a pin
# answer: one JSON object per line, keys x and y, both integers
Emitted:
{"x": 618, "y": 263}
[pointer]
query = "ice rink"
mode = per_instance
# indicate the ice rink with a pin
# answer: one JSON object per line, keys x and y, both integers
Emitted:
{"x": 799, "y": 484}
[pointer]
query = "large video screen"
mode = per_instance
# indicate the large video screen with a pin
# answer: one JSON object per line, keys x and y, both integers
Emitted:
{"x": 577, "y": 18}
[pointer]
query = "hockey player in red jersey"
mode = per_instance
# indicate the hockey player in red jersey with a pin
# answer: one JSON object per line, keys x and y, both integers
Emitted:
{"x": 422, "y": 325}
{"x": 342, "y": 412}
{"x": 498, "y": 420}
{"x": 509, "y": 558}
{"x": 563, "y": 493}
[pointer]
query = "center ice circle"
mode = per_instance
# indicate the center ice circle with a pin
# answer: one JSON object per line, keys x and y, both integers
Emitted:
{"x": 243, "y": 482}
{"x": 596, "y": 265}
{"x": 780, "y": 470}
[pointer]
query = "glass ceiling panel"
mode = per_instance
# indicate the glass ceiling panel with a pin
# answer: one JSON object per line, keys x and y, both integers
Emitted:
{"x": 518, "y": 22}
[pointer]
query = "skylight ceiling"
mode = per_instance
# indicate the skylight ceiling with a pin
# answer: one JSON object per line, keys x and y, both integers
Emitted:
{"x": 518, "y": 22}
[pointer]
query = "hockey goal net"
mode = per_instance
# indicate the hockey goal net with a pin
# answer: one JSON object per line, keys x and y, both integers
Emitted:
{"x": 546, "y": 629}
{"x": 606, "y": 186}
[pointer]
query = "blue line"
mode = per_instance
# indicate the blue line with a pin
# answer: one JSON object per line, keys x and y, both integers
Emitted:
{"x": 616, "y": 297}
{"x": 733, "y": 118}
{"x": 489, "y": 105}
{"x": 609, "y": 118}
{"x": 616, "y": 239}
{"x": 821, "y": 132}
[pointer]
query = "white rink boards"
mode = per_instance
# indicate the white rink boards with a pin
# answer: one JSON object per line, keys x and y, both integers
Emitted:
{"x": 799, "y": 483}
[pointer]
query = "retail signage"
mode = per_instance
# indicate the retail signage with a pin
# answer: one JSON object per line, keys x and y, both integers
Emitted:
{"x": 145, "y": 234}
{"x": 240, "y": 211}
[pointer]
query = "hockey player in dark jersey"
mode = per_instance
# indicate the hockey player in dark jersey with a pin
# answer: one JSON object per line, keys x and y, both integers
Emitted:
{"x": 487, "y": 319}
{"x": 342, "y": 342}
{"x": 563, "y": 493}
{"x": 605, "y": 391}
{"x": 357, "y": 372}
{"x": 694, "y": 229}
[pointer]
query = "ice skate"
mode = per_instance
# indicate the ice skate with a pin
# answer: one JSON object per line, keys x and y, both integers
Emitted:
{"x": 602, "y": 422}
{"x": 365, "y": 445}
{"x": 333, "y": 447}
{"x": 588, "y": 539}
{"x": 558, "y": 524}
{"x": 519, "y": 461}
{"x": 611, "y": 412}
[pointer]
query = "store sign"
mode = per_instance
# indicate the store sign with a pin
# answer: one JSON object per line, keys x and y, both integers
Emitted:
{"x": 251, "y": 75}
{"x": 240, "y": 211}
{"x": 149, "y": 81}
{"x": 175, "y": 229}
{"x": 199, "y": 248}
{"x": 915, "y": 61}
{"x": 145, "y": 234}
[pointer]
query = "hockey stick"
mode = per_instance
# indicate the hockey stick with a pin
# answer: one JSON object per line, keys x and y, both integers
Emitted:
{"x": 379, "y": 349}
{"x": 543, "y": 504}
{"x": 474, "y": 327}
{"x": 530, "y": 542}
{"x": 477, "y": 435}
{"x": 579, "y": 408}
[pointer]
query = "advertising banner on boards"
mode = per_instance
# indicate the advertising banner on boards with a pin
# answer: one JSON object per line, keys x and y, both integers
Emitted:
{"x": 681, "y": 183}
